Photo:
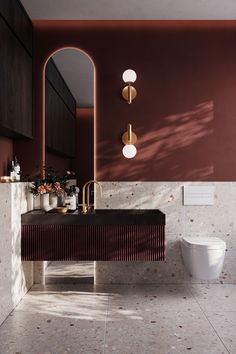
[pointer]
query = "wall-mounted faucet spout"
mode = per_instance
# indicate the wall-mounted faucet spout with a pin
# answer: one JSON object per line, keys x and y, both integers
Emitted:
{"x": 86, "y": 206}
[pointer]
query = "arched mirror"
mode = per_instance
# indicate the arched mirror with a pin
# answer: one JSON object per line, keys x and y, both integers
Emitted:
{"x": 69, "y": 114}
{"x": 69, "y": 134}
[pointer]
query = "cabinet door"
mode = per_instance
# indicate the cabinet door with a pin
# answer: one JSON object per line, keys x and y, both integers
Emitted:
{"x": 17, "y": 18}
{"x": 71, "y": 134}
{"x": 57, "y": 81}
{"x": 48, "y": 115}
{"x": 60, "y": 124}
{"x": 16, "y": 86}
{"x": 53, "y": 118}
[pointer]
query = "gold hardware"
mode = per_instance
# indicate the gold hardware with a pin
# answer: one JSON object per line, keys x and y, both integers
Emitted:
{"x": 129, "y": 137}
{"x": 86, "y": 206}
{"x": 129, "y": 93}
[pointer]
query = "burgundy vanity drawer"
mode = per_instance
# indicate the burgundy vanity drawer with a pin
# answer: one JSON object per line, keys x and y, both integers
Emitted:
{"x": 93, "y": 242}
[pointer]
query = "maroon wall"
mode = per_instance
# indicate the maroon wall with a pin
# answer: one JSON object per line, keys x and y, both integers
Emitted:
{"x": 184, "y": 113}
{"x": 6, "y": 154}
{"x": 84, "y": 161}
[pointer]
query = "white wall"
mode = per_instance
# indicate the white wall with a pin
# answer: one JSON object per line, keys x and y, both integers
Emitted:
{"x": 217, "y": 220}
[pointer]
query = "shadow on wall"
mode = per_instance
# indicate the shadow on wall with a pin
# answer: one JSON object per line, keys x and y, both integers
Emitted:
{"x": 181, "y": 148}
{"x": 126, "y": 196}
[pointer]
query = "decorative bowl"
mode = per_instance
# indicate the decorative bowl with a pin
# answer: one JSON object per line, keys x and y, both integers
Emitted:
{"x": 62, "y": 210}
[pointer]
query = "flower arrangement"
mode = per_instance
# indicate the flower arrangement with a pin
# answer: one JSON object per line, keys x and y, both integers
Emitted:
{"x": 50, "y": 183}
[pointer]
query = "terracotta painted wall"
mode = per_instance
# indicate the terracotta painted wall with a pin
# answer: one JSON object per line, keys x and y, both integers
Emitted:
{"x": 185, "y": 111}
{"x": 6, "y": 154}
{"x": 84, "y": 161}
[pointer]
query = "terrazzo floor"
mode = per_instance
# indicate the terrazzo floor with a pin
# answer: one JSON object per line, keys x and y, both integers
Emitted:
{"x": 122, "y": 319}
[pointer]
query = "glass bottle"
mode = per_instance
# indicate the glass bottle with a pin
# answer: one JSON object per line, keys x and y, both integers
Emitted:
{"x": 17, "y": 169}
{"x": 12, "y": 171}
{"x": 70, "y": 201}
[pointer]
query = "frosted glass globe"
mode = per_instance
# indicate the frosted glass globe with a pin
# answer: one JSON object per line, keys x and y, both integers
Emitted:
{"x": 129, "y": 151}
{"x": 129, "y": 75}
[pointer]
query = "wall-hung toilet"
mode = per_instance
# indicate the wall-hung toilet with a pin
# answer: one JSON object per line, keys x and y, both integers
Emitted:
{"x": 203, "y": 256}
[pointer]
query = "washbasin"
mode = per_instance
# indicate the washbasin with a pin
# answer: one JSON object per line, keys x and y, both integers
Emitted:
{"x": 99, "y": 217}
{"x": 128, "y": 216}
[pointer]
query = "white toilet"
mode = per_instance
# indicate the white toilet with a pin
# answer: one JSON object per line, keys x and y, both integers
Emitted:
{"x": 203, "y": 256}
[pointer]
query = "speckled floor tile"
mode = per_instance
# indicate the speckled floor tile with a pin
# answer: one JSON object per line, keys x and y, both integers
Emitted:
{"x": 215, "y": 297}
{"x": 122, "y": 319}
{"x": 165, "y": 333}
{"x": 79, "y": 302}
{"x": 44, "y": 333}
{"x": 143, "y": 300}
{"x": 225, "y": 325}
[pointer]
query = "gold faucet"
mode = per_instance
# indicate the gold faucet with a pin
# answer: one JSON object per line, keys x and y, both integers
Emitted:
{"x": 86, "y": 206}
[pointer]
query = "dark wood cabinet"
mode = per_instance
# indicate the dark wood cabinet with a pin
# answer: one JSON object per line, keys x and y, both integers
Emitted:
{"x": 14, "y": 14}
{"x": 60, "y": 114}
{"x": 57, "y": 81}
{"x": 60, "y": 124}
{"x": 16, "y": 85}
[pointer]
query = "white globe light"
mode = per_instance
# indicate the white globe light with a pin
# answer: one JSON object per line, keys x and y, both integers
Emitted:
{"x": 129, "y": 151}
{"x": 129, "y": 75}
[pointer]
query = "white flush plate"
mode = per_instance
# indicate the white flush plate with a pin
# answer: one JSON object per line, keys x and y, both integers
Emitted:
{"x": 199, "y": 195}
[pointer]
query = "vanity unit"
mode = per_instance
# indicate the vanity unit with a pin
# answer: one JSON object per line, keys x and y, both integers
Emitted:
{"x": 101, "y": 235}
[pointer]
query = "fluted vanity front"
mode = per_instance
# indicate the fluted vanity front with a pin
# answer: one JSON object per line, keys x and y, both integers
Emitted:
{"x": 102, "y": 235}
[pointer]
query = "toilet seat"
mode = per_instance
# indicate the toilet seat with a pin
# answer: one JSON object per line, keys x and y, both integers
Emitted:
{"x": 204, "y": 242}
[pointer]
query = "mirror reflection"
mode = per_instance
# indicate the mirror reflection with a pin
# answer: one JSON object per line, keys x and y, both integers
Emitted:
{"x": 69, "y": 114}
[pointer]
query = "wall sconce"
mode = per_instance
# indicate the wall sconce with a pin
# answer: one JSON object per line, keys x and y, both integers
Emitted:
{"x": 129, "y": 139}
{"x": 129, "y": 92}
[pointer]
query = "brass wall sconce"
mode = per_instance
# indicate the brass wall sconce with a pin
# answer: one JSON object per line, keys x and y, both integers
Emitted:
{"x": 129, "y": 139}
{"x": 129, "y": 92}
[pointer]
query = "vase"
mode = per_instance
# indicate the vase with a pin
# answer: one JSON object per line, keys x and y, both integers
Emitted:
{"x": 37, "y": 203}
{"x": 53, "y": 200}
{"x": 44, "y": 202}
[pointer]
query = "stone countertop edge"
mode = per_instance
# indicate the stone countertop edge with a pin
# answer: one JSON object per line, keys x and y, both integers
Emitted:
{"x": 102, "y": 217}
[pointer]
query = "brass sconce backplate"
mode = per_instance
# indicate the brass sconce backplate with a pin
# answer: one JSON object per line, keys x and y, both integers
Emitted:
{"x": 133, "y": 138}
{"x": 129, "y": 93}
